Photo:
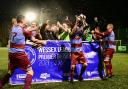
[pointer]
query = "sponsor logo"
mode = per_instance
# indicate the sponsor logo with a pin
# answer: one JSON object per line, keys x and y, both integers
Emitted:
{"x": 21, "y": 76}
{"x": 90, "y": 54}
{"x": 89, "y": 73}
{"x": 44, "y": 75}
{"x": 31, "y": 54}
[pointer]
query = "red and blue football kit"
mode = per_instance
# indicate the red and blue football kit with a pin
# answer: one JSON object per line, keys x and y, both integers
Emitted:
{"x": 77, "y": 55}
{"x": 17, "y": 56}
{"x": 109, "y": 49}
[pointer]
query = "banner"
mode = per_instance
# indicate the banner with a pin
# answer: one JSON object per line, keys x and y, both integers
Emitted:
{"x": 51, "y": 63}
{"x": 122, "y": 48}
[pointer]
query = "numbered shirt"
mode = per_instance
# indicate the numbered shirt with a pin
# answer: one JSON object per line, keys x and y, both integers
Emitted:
{"x": 17, "y": 37}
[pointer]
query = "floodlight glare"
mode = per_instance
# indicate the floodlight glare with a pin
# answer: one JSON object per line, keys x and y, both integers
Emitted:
{"x": 31, "y": 16}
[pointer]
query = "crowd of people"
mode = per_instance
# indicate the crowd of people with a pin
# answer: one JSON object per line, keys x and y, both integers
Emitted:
{"x": 75, "y": 32}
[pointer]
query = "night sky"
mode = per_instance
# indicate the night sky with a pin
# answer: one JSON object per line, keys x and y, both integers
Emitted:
{"x": 114, "y": 11}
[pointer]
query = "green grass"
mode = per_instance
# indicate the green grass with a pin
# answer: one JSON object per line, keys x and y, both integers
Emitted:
{"x": 119, "y": 81}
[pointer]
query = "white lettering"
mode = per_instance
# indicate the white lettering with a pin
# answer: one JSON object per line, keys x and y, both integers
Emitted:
{"x": 45, "y": 75}
{"x": 90, "y": 54}
{"x": 54, "y": 49}
{"x": 21, "y": 76}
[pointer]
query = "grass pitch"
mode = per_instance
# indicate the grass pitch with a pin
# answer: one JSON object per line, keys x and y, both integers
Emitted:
{"x": 119, "y": 81}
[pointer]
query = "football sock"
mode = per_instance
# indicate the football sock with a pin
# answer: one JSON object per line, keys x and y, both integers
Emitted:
{"x": 28, "y": 81}
{"x": 5, "y": 79}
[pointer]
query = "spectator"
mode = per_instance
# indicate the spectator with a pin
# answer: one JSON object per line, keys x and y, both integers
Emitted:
{"x": 49, "y": 32}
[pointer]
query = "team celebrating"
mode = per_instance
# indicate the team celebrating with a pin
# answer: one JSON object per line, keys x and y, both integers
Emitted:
{"x": 37, "y": 36}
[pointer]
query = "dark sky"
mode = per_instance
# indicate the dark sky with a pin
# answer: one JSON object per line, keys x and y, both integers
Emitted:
{"x": 112, "y": 10}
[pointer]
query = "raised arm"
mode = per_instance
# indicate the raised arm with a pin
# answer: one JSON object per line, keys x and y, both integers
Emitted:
{"x": 61, "y": 27}
{"x": 103, "y": 34}
{"x": 75, "y": 26}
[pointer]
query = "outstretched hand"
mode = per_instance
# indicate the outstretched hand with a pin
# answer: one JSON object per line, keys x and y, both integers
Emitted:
{"x": 67, "y": 18}
{"x": 92, "y": 31}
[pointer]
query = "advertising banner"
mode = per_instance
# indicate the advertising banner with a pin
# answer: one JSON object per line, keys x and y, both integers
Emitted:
{"x": 51, "y": 63}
